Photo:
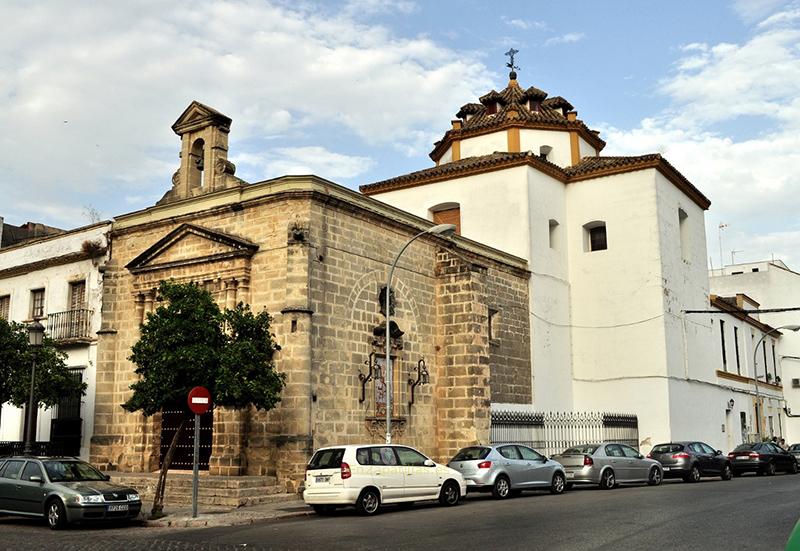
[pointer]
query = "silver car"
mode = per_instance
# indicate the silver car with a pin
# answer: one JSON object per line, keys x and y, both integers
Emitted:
{"x": 608, "y": 464}
{"x": 507, "y": 469}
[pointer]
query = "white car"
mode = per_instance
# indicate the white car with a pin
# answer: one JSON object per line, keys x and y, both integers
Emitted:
{"x": 370, "y": 475}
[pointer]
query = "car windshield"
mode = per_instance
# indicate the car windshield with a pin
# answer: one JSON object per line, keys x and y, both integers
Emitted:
{"x": 580, "y": 450}
{"x": 667, "y": 448}
{"x": 71, "y": 471}
{"x": 744, "y": 447}
{"x": 469, "y": 454}
{"x": 795, "y": 448}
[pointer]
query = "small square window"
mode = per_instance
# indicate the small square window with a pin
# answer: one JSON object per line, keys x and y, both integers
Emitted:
{"x": 37, "y": 304}
{"x": 597, "y": 238}
{"x": 5, "y": 307}
{"x": 494, "y": 318}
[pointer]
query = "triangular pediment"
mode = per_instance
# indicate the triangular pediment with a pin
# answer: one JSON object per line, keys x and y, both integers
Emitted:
{"x": 198, "y": 116}
{"x": 190, "y": 244}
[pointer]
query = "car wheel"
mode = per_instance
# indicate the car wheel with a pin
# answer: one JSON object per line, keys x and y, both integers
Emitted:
{"x": 368, "y": 502}
{"x": 793, "y": 469}
{"x": 450, "y": 494}
{"x": 502, "y": 487}
{"x": 608, "y": 480}
{"x": 770, "y": 470}
{"x": 727, "y": 474}
{"x": 56, "y": 514}
{"x": 693, "y": 476}
{"x": 558, "y": 485}
{"x": 656, "y": 477}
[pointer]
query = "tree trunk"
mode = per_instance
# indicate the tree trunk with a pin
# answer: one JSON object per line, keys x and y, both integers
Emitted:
{"x": 158, "y": 500}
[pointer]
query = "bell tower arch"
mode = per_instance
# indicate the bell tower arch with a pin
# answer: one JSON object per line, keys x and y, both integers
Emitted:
{"x": 205, "y": 167}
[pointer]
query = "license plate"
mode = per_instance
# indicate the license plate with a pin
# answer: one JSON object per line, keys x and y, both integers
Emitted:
{"x": 322, "y": 479}
{"x": 570, "y": 474}
{"x": 742, "y": 458}
{"x": 117, "y": 507}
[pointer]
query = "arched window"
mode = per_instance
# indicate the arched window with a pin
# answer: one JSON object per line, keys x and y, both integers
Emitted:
{"x": 447, "y": 213}
{"x": 594, "y": 236}
{"x": 196, "y": 164}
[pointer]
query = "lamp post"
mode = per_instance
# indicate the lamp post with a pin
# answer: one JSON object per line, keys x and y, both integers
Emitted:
{"x": 755, "y": 370}
{"x": 35, "y": 337}
{"x": 440, "y": 229}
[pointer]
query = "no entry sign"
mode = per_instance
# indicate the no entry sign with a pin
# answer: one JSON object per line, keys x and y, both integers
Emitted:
{"x": 199, "y": 400}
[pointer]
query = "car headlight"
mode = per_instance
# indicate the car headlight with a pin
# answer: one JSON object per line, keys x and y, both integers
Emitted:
{"x": 133, "y": 497}
{"x": 91, "y": 499}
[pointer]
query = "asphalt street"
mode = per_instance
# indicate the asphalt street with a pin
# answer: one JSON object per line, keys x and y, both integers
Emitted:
{"x": 746, "y": 513}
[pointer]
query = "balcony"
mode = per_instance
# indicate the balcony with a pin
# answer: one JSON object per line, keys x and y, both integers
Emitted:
{"x": 72, "y": 326}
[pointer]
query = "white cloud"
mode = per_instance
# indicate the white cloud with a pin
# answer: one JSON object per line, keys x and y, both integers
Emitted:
{"x": 371, "y": 7}
{"x": 751, "y": 181}
{"x": 121, "y": 74}
{"x": 305, "y": 160}
{"x": 568, "y": 38}
{"x": 751, "y": 11}
{"x": 524, "y": 24}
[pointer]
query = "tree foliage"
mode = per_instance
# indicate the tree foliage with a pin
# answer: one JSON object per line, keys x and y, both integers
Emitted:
{"x": 53, "y": 379}
{"x": 188, "y": 341}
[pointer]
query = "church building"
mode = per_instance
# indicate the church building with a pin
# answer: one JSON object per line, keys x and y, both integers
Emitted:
{"x": 316, "y": 256}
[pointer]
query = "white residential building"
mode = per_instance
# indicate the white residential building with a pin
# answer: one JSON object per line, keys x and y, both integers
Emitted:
{"x": 57, "y": 279}
{"x": 617, "y": 250}
{"x": 775, "y": 286}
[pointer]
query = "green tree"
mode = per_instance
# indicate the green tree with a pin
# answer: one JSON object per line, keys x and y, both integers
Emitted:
{"x": 188, "y": 341}
{"x": 53, "y": 379}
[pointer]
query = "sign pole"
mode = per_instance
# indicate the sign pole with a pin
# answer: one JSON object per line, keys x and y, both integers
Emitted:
{"x": 196, "y": 466}
{"x": 199, "y": 400}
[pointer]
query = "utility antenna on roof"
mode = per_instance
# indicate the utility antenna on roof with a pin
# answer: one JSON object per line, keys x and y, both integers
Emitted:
{"x": 511, "y": 53}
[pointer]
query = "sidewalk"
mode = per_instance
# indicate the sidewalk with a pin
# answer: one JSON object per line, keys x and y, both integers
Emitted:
{"x": 180, "y": 516}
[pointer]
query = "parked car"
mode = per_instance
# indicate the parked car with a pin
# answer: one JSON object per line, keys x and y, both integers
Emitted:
{"x": 508, "y": 469}
{"x": 691, "y": 460}
{"x": 63, "y": 490}
{"x": 761, "y": 458}
{"x": 369, "y": 476}
{"x": 608, "y": 464}
{"x": 794, "y": 449}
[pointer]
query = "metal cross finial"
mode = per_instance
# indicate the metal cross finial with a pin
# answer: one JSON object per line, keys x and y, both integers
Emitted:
{"x": 511, "y": 53}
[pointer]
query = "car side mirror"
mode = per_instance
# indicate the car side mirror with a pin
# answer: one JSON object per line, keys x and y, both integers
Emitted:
{"x": 719, "y": 452}
{"x": 639, "y": 456}
{"x": 429, "y": 463}
{"x": 106, "y": 477}
{"x": 36, "y": 478}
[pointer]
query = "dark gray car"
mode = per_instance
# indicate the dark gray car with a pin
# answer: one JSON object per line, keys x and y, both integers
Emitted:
{"x": 690, "y": 460}
{"x": 63, "y": 490}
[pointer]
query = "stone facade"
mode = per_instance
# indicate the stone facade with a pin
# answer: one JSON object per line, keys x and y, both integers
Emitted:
{"x": 316, "y": 255}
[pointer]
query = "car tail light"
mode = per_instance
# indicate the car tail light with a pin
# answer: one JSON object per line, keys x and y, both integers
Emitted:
{"x": 346, "y": 471}
{"x": 681, "y": 455}
{"x": 731, "y": 455}
{"x": 649, "y": 456}
{"x": 754, "y": 455}
{"x": 485, "y": 465}
{"x": 587, "y": 461}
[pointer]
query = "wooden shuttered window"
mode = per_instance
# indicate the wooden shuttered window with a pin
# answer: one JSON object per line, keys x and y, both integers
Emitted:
{"x": 449, "y": 216}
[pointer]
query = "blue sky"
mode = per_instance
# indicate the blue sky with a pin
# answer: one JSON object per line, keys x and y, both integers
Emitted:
{"x": 357, "y": 91}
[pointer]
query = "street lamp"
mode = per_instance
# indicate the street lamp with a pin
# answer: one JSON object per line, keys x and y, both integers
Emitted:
{"x": 440, "y": 229}
{"x": 755, "y": 370}
{"x": 35, "y": 338}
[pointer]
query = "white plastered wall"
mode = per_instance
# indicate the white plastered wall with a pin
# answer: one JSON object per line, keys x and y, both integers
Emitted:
{"x": 485, "y": 144}
{"x": 55, "y": 280}
{"x": 532, "y": 140}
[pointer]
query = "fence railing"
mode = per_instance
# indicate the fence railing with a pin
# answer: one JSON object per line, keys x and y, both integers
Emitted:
{"x": 52, "y": 449}
{"x": 72, "y": 324}
{"x": 553, "y": 432}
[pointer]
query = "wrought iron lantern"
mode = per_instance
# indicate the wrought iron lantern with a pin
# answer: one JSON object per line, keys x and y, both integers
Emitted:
{"x": 423, "y": 378}
{"x": 373, "y": 373}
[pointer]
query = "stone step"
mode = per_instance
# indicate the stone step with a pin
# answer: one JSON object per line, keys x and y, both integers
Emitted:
{"x": 233, "y": 491}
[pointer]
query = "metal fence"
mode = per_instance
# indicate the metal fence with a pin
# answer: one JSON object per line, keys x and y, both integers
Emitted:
{"x": 39, "y": 448}
{"x": 553, "y": 432}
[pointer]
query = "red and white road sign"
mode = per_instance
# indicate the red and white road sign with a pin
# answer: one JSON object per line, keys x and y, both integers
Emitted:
{"x": 199, "y": 400}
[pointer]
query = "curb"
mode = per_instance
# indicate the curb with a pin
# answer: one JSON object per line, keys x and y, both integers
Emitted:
{"x": 200, "y": 522}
